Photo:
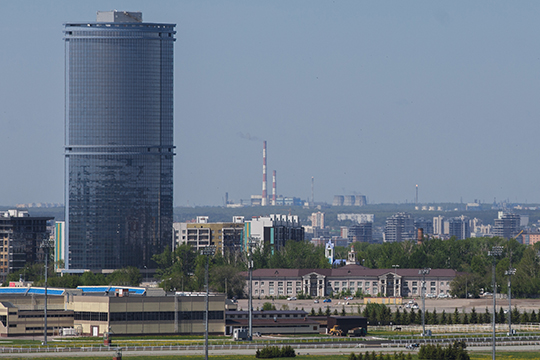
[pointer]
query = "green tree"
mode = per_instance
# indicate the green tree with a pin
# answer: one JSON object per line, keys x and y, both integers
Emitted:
{"x": 474, "y": 316}
{"x": 456, "y": 319}
{"x": 533, "y": 318}
{"x": 516, "y": 316}
{"x": 501, "y": 317}
{"x": 129, "y": 276}
{"x": 227, "y": 276}
{"x": 268, "y": 306}
{"x": 434, "y": 317}
{"x": 444, "y": 320}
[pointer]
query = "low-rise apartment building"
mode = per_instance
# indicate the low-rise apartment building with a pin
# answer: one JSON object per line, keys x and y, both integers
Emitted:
{"x": 268, "y": 283}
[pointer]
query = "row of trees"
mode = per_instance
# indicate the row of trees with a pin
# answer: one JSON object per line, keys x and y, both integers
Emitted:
{"x": 184, "y": 268}
{"x": 469, "y": 256}
{"x": 380, "y": 313}
{"x": 129, "y": 276}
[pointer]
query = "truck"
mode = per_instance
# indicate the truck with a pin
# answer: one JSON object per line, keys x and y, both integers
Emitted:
{"x": 357, "y": 331}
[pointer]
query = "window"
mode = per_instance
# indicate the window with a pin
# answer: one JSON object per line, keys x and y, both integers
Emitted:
{"x": 271, "y": 291}
{"x": 289, "y": 291}
{"x": 256, "y": 291}
{"x": 289, "y": 283}
{"x": 262, "y": 291}
{"x": 415, "y": 283}
{"x": 298, "y": 290}
{"x": 359, "y": 284}
{"x": 271, "y": 283}
{"x": 262, "y": 283}
{"x": 432, "y": 290}
{"x": 256, "y": 282}
{"x": 433, "y": 283}
{"x": 280, "y": 283}
{"x": 415, "y": 290}
{"x": 336, "y": 283}
{"x": 368, "y": 284}
{"x": 344, "y": 283}
{"x": 280, "y": 291}
{"x": 298, "y": 283}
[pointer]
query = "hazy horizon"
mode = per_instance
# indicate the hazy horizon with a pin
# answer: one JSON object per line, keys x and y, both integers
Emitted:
{"x": 368, "y": 98}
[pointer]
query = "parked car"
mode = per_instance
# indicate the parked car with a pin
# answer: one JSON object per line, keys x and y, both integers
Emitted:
{"x": 412, "y": 346}
{"x": 327, "y": 300}
{"x": 315, "y": 301}
{"x": 291, "y": 298}
{"x": 415, "y": 306}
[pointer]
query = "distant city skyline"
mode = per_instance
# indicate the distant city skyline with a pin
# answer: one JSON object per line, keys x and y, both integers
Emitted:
{"x": 367, "y": 98}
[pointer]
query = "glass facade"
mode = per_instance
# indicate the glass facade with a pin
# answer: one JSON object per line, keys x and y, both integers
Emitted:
{"x": 118, "y": 143}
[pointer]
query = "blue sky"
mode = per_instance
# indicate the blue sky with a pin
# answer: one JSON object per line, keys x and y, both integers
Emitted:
{"x": 368, "y": 97}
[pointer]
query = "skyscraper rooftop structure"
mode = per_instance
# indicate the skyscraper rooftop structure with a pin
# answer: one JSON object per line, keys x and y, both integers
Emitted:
{"x": 118, "y": 140}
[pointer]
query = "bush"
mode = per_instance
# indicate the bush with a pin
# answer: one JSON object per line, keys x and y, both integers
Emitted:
{"x": 268, "y": 306}
{"x": 434, "y": 352}
{"x": 269, "y": 352}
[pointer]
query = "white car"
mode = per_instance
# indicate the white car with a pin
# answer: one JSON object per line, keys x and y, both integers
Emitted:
{"x": 291, "y": 298}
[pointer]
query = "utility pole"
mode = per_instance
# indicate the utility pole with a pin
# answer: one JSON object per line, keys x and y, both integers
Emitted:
{"x": 494, "y": 253}
{"x": 208, "y": 251}
{"x": 509, "y": 273}
{"x": 424, "y": 272}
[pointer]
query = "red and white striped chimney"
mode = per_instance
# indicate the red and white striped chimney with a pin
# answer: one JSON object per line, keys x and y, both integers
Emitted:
{"x": 264, "y": 195}
{"x": 274, "y": 189}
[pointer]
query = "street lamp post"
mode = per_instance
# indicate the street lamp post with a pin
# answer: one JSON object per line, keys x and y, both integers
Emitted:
{"x": 208, "y": 251}
{"x": 395, "y": 279}
{"x": 45, "y": 245}
{"x": 494, "y": 253}
{"x": 424, "y": 272}
{"x": 509, "y": 273}
{"x": 250, "y": 289}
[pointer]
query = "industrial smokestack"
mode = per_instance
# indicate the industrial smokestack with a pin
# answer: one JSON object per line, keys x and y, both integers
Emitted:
{"x": 312, "y": 191}
{"x": 264, "y": 195}
{"x": 274, "y": 189}
{"x": 420, "y": 236}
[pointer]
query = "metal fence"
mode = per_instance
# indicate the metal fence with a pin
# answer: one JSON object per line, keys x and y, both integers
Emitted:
{"x": 259, "y": 345}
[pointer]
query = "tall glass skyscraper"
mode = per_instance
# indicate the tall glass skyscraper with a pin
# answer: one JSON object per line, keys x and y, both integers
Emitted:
{"x": 118, "y": 140}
